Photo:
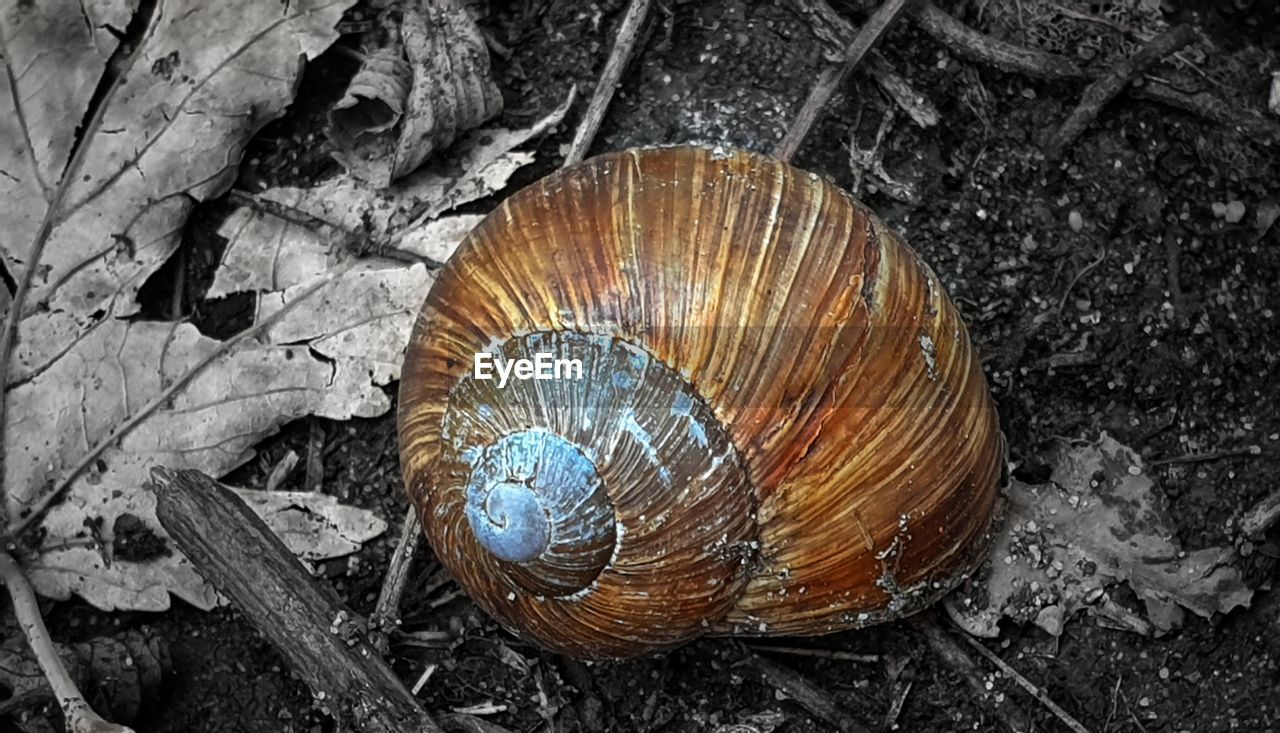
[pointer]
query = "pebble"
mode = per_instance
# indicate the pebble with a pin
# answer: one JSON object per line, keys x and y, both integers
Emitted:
{"x": 1075, "y": 221}
{"x": 1235, "y": 212}
{"x": 1231, "y": 212}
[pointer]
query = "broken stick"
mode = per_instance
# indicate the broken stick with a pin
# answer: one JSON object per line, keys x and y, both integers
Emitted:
{"x": 306, "y": 621}
{"x": 386, "y": 613}
{"x": 965, "y": 41}
{"x": 1263, "y": 514}
{"x": 798, "y": 688}
{"x": 947, "y": 650}
{"x": 1107, "y": 86}
{"x": 628, "y": 32}
{"x": 831, "y": 27}
{"x": 831, "y": 77}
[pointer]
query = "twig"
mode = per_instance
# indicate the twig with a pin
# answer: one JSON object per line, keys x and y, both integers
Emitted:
{"x": 484, "y": 708}
{"x": 1115, "y": 698}
{"x": 902, "y": 689}
{"x": 1211, "y": 107}
{"x": 1098, "y": 20}
{"x": 965, "y": 41}
{"x": 628, "y": 32}
{"x": 835, "y": 654}
{"x": 386, "y": 613}
{"x": 1263, "y": 514}
{"x": 1027, "y": 685}
{"x": 1217, "y": 455}
{"x": 1062, "y": 303}
{"x": 871, "y": 160}
{"x": 804, "y": 692}
{"x": 1106, "y": 87}
{"x": 232, "y": 548}
{"x": 21, "y": 525}
{"x": 917, "y": 106}
{"x": 280, "y": 472}
{"x": 428, "y": 639}
{"x": 445, "y": 598}
{"x": 968, "y": 43}
{"x": 80, "y": 718}
{"x": 831, "y": 27}
{"x": 1014, "y": 718}
{"x": 342, "y": 239}
{"x": 464, "y": 723}
{"x": 179, "y": 284}
{"x": 422, "y": 679}
{"x": 315, "y": 456}
{"x": 294, "y": 215}
{"x": 831, "y": 77}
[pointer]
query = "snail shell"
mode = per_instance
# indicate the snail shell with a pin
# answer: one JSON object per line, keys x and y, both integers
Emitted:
{"x": 780, "y": 426}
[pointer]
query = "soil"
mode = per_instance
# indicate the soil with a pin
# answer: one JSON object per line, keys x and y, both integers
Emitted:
{"x": 1159, "y": 326}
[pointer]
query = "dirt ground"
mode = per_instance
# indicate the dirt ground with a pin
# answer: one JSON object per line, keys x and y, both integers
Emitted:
{"x": 1167, "y": 338}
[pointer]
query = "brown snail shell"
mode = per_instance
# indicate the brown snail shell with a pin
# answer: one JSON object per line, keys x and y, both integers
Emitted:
{"x": 781, "y": 426}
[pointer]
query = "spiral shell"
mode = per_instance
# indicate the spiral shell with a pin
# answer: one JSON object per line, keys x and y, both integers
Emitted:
{"x": 780, "y": 425}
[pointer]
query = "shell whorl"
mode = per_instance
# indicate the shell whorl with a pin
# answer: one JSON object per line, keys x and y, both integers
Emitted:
{"x": 578, "y": 531}
{"x": 790, "y": 429}
{"x": 533, "y": 494}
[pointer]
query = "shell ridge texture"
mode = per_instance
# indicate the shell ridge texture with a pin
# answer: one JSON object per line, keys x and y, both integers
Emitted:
{"x": 779, "y": 424}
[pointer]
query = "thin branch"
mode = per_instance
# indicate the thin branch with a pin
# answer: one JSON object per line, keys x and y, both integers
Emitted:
{"x": 80, "y": 718}
{"x": 1062, "y": 302}
{"x": 965, "y": 41}
{"x": 625, "y": 43}
{"x": 1263, "y": 514}
{"x": 799, "y": 688}
{"x": 832, "y": 77}
{"x": 20, "y": 526}
{"x": 1013, "y": 717}
{"x": 968, "y": 43}
{"x": 1251, "y": 450}
{"x": 1027, "y": 685}
{"x": 832, "y": 28}
{"x": 386, "y": 613}
{"x": 1106, "y": 87}
{"x": 834, "y": 654}
{"x": 1211, "y": 107}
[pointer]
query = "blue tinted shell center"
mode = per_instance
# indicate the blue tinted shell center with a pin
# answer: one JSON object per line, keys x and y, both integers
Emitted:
{"x": 525, "y": 492}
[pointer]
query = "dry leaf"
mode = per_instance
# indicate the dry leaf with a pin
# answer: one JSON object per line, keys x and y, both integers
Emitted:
{"x": 1066, "y": 544}
{"x": 207, "y": 72}
{"x": 210, "y": 425}
{"x": 82, "y": 370}
{"x": 269, "y": 253}
{"x": 314, "y": 526}
{"x": 413, "y": 96}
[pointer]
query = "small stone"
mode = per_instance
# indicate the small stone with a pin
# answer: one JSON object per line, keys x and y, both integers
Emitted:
{"x": 1050, "y": 619}
{"x": 1234, "y": 212}
{"x": 1075, "y": 221}
{"x": 1164, "y": 673}
{"x": 1219, "y": 209}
